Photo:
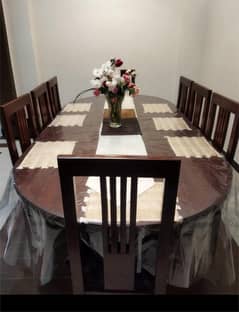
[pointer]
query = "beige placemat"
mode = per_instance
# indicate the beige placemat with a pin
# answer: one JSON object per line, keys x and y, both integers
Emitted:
{"x": 149, "y": 206}
{"x": 192, "y": 147}
{"x": 77, "y": 107}
{"x": 68, "y": 121}
{"x": 44, "y": 154}
{"x": 157, "y": 108}
{"x": 170, "y": 123}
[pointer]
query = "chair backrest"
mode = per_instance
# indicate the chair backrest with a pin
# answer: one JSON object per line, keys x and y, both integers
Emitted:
{"x": 54, "y": 97}
{"x": 221, "y": 128}
{"x": 123, "y": 71}
{"x": 119, "y": 236}
{"x": 42, "y": 106}
{"x": 198, "y": 106}
{"x": 18, "y": 123}
{"x": 184, "y": 91}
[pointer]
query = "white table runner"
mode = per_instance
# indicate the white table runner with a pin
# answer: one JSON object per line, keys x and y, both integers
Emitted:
{"x": 125, "y": 145}
{"x": 128, "y": 103}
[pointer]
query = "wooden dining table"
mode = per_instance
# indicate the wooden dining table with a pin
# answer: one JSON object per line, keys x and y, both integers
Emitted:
{"x": 205, "y": 176}
{"x": 151, "y": 127}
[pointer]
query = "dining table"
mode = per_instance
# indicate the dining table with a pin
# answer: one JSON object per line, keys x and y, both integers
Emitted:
{"x": 151, "y": 127}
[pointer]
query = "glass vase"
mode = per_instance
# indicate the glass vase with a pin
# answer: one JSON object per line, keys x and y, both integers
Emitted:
{"x": 114, "y": 105}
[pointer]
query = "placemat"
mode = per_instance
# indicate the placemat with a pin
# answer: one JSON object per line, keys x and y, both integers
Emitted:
{"x": 77, "y": 107}
{"x": 156, "y": 108}
{"x": 68, "y": 121}
{"x": 129, "y": 126}
{"x": 170, "y": 123}
{"x": 44, "y": 154}
{"x": 192, "y": 147}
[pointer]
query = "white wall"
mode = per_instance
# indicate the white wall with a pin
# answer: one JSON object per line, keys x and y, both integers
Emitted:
{"x": 220, "y": 60}
{"x": 68, "y": 38}
{"x": 20, "y": 36}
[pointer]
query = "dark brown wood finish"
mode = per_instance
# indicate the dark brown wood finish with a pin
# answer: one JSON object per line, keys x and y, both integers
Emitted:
{"x": 198, "y": 107}
{"x": 184, "y": 92}
{"x": 18, "y": 118}
{"x": 7, "y": 85}
{"x": 226, "y": 107}
{"x": 119, "y": 254}
{"x": 42, "y": 106}
{"x": 213, "y": 175}
{"x": 54, "y": 97}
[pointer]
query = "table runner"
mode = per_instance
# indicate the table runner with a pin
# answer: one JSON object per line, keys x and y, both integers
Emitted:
{"x": 147, "y": 188}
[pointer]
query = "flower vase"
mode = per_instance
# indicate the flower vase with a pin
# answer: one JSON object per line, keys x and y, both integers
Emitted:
{"x": 114, "y": 105}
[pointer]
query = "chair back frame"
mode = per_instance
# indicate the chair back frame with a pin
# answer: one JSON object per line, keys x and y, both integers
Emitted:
{"x": 119, "y": 256}
{"x": 184, "y": 92}
{"x": 195, "y": 105}
{"x": 54, "y": 97}
{"x": 226, "y": 107}
{"x": 42, "y": 107}
{"x": 20, "y": 108}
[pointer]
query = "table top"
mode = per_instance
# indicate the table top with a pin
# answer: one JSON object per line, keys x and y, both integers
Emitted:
{"x": 204, "y": 181}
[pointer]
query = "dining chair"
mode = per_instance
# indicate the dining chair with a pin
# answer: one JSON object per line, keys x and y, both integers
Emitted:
{"x": 198, "y": 106}
{"x": 53, "y": 91}
{"x": 184, "y": 92}
{"x": 123, "y": 71}
{"x": 42, "y": 106}
{"x": 118, "y": 233}
{"x": 18, "y": 124}
{"x": 221, "y": 129}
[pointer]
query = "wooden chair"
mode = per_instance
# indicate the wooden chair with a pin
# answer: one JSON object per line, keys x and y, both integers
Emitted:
{"x": 198, "y": 106}
{"x": 42, "y": 106}
{"x": 18, "y": 122}
{"x": 118, "y": 247}
{"x": 218, "y": 129}
{"x": 184, "y": 92}
{"x": 123, "y": 71}
{"x": 54, "y": 97}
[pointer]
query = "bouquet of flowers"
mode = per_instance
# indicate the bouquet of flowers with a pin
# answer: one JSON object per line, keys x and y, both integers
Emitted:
{"x": 109, "y": 81}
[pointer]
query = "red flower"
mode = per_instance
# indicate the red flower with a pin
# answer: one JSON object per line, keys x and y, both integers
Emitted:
{"x": 118, "y": 62}
{"x": 126, "y": 78}
{"x": 96, "y": 92}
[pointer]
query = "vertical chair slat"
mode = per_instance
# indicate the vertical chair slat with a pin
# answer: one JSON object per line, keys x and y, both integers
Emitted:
{"x": 221, "y": 128}
{"x": 123, "y": 195}
{"x": 113, "y": 215}
{"x": 22, "y": 125}
{"x": 104, "y": 212}
{"x": 133, "y": 205}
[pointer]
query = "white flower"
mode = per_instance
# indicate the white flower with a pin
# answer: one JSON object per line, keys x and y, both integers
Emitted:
{"x": 97, "y": 73}
{"x": 96, "y": 83}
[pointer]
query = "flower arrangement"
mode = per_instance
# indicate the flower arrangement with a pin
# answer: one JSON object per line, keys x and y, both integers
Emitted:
{"x": 109, "y": 81}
